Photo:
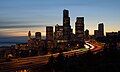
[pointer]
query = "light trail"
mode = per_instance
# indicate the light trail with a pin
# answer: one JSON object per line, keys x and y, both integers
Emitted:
{"x": 42, "y": 59}
{"x": 88, "y": 44}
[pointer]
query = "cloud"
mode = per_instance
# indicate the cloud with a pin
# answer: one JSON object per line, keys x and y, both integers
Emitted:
{"x": 8, "y": 22}
{"x": 20, "y": 26}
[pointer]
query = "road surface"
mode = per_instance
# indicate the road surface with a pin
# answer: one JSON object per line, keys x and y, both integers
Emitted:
{"x": 28, "y": 61}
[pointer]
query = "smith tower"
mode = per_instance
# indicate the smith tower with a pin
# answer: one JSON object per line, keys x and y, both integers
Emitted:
{"x": 66, "y": 25}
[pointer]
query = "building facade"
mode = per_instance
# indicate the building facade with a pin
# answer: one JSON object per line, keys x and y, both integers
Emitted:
{"x": 49, "y": 38}
{"x": 101, "y": 29}
{"x": 79, "y": 29}
{"x": 49, "y": 33}
{"x": 66, "y": 25}
{"x": 38, "y": 35}
{"x": 58, "y": 32}
{"x": 86, "y": 34}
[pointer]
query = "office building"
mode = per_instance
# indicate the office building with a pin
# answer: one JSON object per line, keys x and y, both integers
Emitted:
{"x": 111, "y": 34}
{"x": 58, "y": 32}
{"x": 86, "y": 34}
{"x": 49, "y": 38}
{"x": 96, "y": 33}
{"x": 66, "y": 24}
{"x": 101, "y": 29}
{"x": 38, "y": 35}
{"x": 79, "y": 28}
{"x": 79, "y": 31}
{"x": 49, "y": 33}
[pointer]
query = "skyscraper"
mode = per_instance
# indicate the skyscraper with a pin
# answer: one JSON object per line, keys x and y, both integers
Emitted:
{"x": 79, "y": 28}
{"x": 49, "y": 38}
{"x": 66, "y": 24}
{"x": 101, "y": 29}
{"x": 66, "y": 18}
{"x": 79, "y": 31}
{"x": 58, "y": 32}
{"x": 49, "y": 33}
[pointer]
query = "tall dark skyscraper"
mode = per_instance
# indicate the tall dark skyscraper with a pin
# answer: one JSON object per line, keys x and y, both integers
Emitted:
{"x": 79, "y": 31}
{"x": 66, "y": 24}
{"x": 49, "y": 38}
{"x": 101, "y": 29}
{"x": 49, "y": 33}
{"x": 79, "y": 28}
{"x": 66, "y": 18}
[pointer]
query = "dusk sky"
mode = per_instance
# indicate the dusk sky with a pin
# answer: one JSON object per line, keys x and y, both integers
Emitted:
{"x": 17, "y": 17}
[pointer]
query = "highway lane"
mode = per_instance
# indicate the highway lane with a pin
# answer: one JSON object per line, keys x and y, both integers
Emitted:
{"x": 44, "y": 59}
{"x": 22, "y": 62}
{"x": 95, "y": 46}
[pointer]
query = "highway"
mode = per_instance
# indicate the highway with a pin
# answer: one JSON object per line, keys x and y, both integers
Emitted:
{"x": 37, "y": 59}
{"x": 28, "y": 61}
{"x": 95, "y": 46}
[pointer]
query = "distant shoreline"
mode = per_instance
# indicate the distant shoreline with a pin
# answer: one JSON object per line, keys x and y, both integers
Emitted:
{"x": 9, "y": 43}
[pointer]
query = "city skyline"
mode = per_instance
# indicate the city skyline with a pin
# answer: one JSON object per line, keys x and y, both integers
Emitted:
{"x": 59, "y": 35}
{"x": 18, "y": 17}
